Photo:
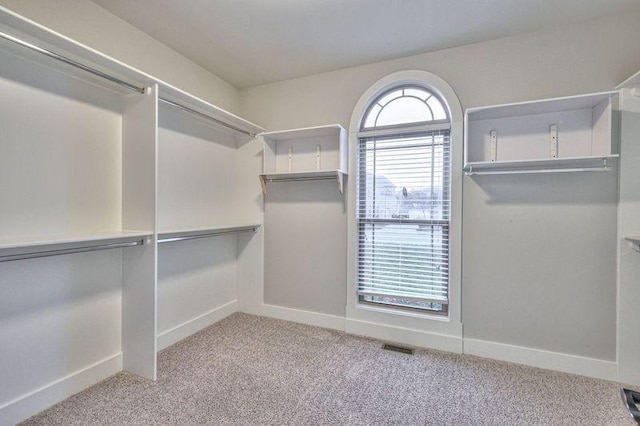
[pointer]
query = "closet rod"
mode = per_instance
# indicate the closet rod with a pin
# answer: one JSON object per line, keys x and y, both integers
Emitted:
{"x": 58, "y": 252}
{"x": 71, "y": 62}
{"x": 299, "y": 179}
{"x": 538, "y": 171}
{"x": 206, "y": 117}
{"x": 195, "y": 237}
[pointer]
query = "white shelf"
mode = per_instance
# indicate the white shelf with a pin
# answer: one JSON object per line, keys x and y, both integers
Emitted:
{"x": 305, "y": 132}
{"x": 173, "y": 96}
{"x": 50, "y": 245}
{"x": 570, "y": 134}
{"x": 545, "y": 165}
{"x": 541, "y": 106}
{"x": 337, "y": 175}
{"x": 311, "y": 153}
{"x": 52, "y": 49}
{"x": 171, "y": 235}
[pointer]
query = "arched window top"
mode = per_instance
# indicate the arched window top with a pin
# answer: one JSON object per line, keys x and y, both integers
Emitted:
{"x": 404, "y": 105}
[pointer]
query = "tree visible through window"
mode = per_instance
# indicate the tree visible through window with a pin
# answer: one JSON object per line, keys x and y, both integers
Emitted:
{"x": 403, "y": 211}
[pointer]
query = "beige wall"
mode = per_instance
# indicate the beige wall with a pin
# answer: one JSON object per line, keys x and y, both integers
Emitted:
{"x": 89, "y": 24}
{"x": 588, "y": 57}
{"x": 539, "y": 264}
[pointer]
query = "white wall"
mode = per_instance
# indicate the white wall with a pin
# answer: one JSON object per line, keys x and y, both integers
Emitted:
{"x": 89, "y": 24}
{"x": 560, "y": 294}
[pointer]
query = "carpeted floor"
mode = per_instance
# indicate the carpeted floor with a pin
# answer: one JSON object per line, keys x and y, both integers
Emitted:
{"x": 253, "y": 370}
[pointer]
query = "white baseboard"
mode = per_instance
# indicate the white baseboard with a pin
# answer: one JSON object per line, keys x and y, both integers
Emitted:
{"x": 317, "y": 319}
{"x": 574, "y": 364}
{"x": 32, "y": 403}
{"x": 186, "y": 329}
{"x": 405, "y": 336}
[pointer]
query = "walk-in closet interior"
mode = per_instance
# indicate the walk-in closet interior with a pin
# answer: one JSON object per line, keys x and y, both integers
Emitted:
{"x": 140, "y": 203}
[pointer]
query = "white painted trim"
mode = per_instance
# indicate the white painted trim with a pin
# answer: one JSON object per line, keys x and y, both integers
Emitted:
{"x": 186, "y": 329}
{"x": 406, "y": 336}
{"x": 393, "y": 319}
{"x": 574, "y": 364}
{"x": 317, "y": 319}
{"x": 32, "y": 403}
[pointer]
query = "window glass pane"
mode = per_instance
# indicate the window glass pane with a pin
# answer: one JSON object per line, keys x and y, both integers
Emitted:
{"x": 404, "y": 110}
{"x": 370, "y": 119}
{"x": 437, "y": 108}
{"x": 417, "y": 92}
{"x": 389, "y": 97}
{"x": 403, "y": 220}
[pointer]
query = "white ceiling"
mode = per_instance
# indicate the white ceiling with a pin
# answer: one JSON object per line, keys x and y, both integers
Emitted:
{"x": 250, "y": 42}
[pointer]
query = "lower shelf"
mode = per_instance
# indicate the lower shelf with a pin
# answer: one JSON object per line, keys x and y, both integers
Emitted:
{"x": 545, "y": 165}
{"x": 173, "y": 235}
{"x": 337, "y": 175}
{"x": 20, "y": 248}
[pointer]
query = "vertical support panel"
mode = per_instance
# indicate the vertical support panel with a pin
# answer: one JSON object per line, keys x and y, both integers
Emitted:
{"x": 139, "y": 168}
{"x": 628, "y": 259}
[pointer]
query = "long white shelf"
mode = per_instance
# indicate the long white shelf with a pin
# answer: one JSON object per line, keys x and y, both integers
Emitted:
{"x": 178, "y": 98}
{"x": 545, "y": 165}
{"x": 306, "y": 132}
{"x": 338, "y": 175}
{"x": 53, "y": 49}
{"x": 541, "y": 106}
{"x": 17, "y": 248}
{"x": 173, "y": 235}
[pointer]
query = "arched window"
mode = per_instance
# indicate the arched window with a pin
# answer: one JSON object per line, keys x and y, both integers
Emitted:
{"x": 403, "y": 200}
{"x": 403, "y": 105}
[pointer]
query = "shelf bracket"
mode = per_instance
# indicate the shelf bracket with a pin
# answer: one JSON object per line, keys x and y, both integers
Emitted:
{"x": 553, "y": 140}
{"x": 340, "y": 181}
{"x": 493, "y": 136}
{"x": 317, "y": 157}
{"x": 263, "y": 183}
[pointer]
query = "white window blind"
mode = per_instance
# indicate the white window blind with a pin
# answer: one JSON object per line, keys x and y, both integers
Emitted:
{"x": 403, "y": 217}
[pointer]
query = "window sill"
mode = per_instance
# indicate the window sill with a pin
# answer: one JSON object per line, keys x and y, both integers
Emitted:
{"x": 402, "y": 312}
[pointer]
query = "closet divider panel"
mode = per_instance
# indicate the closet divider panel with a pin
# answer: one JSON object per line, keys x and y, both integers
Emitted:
{"x": 629, "y": 226}
{"x": 139, "y": 130}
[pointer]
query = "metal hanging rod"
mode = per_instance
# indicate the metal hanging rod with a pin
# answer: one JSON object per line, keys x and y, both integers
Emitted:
{"x": 296, "y": 179}
{"x": 522, "y": 172}
{"x": 71, "y": 62}
{"x": 207, "y": 235}
{"x": 603, "y": 168}
{"x": 206, "y": 117}
{"x": 58, "y": 252}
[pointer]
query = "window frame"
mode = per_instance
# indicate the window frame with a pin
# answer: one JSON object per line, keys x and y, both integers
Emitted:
{"x": 439, "y": 331}
{"x": 402, "y": 131}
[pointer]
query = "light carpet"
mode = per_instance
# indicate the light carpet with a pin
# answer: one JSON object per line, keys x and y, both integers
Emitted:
{"x": 247, "y": 370}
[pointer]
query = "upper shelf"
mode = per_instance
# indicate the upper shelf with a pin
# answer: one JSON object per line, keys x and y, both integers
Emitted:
{"x": 175, "y": 97}
{"x": 307, "y": 132}
{"x": 52, "y": 245}
{"x": 570, "y": 134}
{"x": 311, "y": 153}
{"x": 43, "y": 45}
